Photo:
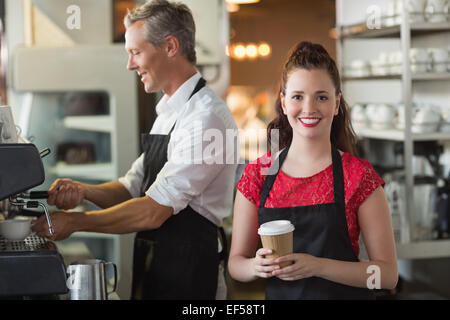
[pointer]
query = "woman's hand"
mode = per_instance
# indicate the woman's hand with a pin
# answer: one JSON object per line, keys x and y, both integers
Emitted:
{"x": 264, "y": 267}
{"x": 304, "y": 266}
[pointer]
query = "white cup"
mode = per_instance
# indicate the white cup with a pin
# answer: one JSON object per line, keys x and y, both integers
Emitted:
{"x": 378, "y": 68}
{"x": 439, "y": 54}
{"x": 359, "y": 116}
{"x": 416, "y": 9}
{"x": 392, "y": 12}
{"x": 15, "y": 229}
{"x": 360, "y": 68}
{"x": 395, "y": 62}
{"x": 435, "y": 11}
{"x": 418, "y": 68}
{"x": 440, "y": 59}
{"x": 383, "y": 116}
{"x": 371, "y": 112}
{"x": 419, "y": 55}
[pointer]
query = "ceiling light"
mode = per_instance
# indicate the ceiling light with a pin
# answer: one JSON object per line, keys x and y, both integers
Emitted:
{"x": 264, "y": 49}
{"x": 239, "y": 51}
{"x": 232, "y": 7}
{"x": 252, "y": 51}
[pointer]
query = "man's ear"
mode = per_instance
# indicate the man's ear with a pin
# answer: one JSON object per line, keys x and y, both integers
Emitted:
{"x": 172, "y": 45}
{"x": 282, "y": 103}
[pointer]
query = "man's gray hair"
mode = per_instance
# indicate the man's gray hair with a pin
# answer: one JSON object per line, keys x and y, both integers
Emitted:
{"x": 163, "y": 18}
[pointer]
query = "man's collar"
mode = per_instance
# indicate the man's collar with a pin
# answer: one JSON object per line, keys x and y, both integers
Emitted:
{"x": 181, "y": 96}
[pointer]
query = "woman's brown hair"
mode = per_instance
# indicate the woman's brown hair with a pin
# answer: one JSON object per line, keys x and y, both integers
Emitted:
{"x": 309, "y": 56}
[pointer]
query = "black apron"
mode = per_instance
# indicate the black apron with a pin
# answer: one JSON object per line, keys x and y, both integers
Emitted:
{"x": 179, "y": 260}
{"x": 321, "y": 231}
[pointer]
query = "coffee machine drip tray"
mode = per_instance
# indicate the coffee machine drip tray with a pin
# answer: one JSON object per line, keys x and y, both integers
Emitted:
{"x": 31, "y": 243}
{"x": 32, "y": 267}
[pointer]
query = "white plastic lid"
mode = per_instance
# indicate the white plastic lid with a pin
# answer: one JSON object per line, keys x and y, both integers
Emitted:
{"x": 275, "y": 227}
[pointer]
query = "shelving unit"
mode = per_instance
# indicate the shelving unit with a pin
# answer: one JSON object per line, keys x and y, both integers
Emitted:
{"x": 404, "y": 33}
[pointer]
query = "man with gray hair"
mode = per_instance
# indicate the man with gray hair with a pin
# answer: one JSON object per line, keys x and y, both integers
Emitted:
{"x": 176, "y": 207}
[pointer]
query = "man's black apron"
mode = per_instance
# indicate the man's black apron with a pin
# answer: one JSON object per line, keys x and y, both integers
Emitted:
{"x": 179, "y": 260}
{"x": 321, "y": 231}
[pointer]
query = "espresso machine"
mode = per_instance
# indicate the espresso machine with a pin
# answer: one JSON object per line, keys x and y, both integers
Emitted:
{"x": 32, "y": 268}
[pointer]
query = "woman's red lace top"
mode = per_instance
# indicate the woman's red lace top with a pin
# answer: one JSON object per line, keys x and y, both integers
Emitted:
{"x": 360, "y": 180}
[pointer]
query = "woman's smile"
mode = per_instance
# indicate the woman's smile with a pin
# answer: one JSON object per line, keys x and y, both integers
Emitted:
{"x": 309, "y": 121}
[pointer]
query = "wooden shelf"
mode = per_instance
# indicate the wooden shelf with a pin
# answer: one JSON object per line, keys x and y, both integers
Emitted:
{"x": 96, "y": 171}
{"x": 399, "y": 135}
{"x": 90, "y": 123}
{"x": 362, "y": 31}
{"x": 415, "y": 77}
{"x": 386, "y": 77}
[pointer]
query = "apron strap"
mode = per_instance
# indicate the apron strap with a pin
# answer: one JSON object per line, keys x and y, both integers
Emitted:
{"x": 270, "y": 179}
{"x": 223, "y": 255}
{"x": 338, "y": 178}
{"x": 200, "y": 84}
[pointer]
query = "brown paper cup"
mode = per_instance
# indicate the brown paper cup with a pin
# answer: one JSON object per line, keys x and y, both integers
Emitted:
{"x": 280, "y": 245}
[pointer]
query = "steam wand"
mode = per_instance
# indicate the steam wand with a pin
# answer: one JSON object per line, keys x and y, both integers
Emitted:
{"x": 34, "y": 204}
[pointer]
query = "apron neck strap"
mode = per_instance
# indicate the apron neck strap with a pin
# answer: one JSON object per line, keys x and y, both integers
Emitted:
{"x": 338, "y": 177}
{"x": 200, "y": 84}
{"x": 270, "y": 179}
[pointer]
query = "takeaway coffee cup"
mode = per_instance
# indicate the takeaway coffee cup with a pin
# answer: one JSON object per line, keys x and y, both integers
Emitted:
{"x": 277, "y": 235}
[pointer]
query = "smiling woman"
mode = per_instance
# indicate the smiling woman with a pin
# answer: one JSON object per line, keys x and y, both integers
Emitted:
{"x": 316, "y": 183}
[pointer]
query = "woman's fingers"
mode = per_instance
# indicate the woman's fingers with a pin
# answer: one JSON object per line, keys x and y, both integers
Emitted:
{"x": 264, "y": 266}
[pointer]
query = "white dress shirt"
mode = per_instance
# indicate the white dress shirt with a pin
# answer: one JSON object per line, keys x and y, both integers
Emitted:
{"x": 196, "y": 173}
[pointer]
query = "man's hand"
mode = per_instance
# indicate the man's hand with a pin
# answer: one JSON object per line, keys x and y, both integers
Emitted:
{"x": 61, "y": 222}
{"x": 66, "y": 194}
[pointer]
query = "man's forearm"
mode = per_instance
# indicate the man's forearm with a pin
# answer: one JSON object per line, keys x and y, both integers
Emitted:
{"x": 130, "y": 216}
{"x": 106, "y": 195}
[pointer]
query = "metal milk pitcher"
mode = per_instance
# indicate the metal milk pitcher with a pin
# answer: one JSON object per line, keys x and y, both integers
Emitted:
{"x": 87, "y": 280}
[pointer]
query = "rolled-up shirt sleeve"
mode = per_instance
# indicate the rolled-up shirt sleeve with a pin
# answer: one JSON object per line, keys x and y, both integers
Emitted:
{"x": 196, "y": 157}
{"x": 132, "y": 180}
